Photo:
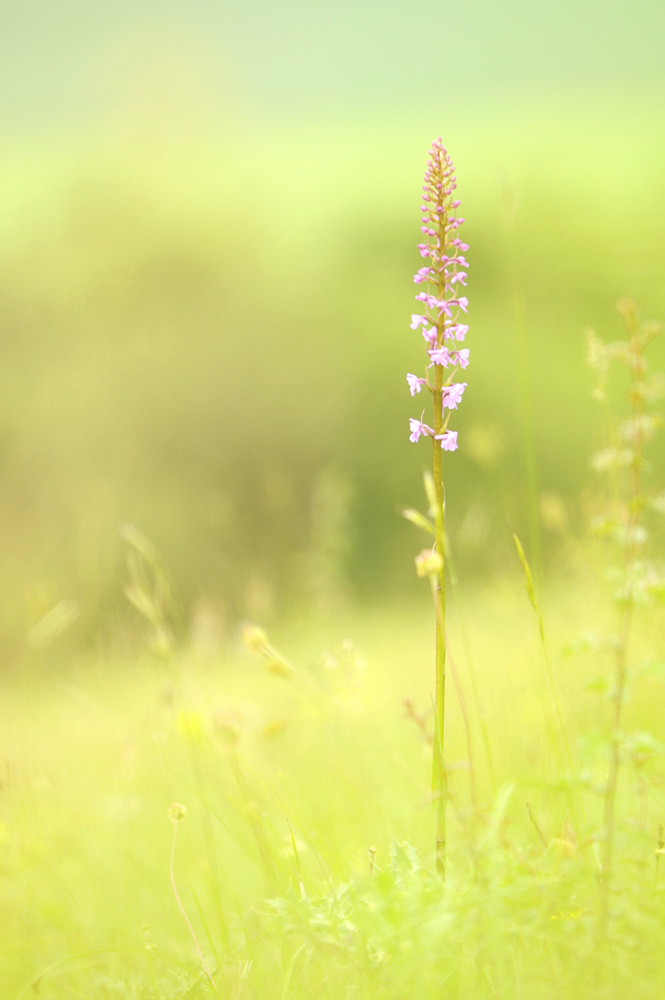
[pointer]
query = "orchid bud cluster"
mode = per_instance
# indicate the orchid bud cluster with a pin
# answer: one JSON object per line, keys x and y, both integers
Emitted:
{"x": 440, "y": 322}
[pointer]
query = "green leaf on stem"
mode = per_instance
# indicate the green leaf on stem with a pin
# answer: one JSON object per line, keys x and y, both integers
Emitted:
{"x": 528, "y": 577}
{"x": 420, "y": 521}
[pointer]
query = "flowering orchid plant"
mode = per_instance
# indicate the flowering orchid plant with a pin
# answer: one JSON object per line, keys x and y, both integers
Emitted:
{"x": 443, "y": 330}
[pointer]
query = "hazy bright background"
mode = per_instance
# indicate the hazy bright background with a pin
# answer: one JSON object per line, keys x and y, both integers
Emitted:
{"x": 209, "y": 217}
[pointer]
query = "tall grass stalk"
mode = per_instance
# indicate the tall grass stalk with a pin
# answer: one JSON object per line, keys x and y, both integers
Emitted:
{"x": 177, "y": 813}
{"x": 480, "y": 709}
{"x": 577, "y": 806}
{"x": 438, "y": 579}
{"x": 531, "y": 593}
{"x": 525, "y": 376}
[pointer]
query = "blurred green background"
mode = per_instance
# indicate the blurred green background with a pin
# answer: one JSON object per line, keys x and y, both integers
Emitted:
{"x": 209, "y": 217}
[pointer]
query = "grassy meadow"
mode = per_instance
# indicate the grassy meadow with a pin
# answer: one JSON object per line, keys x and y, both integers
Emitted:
{"x": 204, "y": 432}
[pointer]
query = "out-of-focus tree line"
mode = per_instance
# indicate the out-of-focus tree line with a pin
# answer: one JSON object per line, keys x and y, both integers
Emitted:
{"x": 210, "y": 343}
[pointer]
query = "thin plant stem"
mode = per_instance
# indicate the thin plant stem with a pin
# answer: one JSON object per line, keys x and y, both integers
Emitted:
{"x": 659, "y": 852}
{"x": 615, "y": 754}
{"x": 533, "y": 598}
{"x": 257, "y": 829}
{"x": 210, "y": 846}
{"x": 541, "y": 835}
{"x": 637, "y": 367}
{"x": 467, "y": 728}
{"x": 619, "y": 695}
{"x": 184, "y": 912}
{"x": 525, "y": 375}
{"x": 439, "y": 776}
{"x": 482, "y": 720}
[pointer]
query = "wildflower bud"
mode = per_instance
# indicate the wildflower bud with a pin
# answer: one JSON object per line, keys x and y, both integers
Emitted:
{"x": 628, "y": 311}
{"x": 428, "y": 562}
{"x": 563, "y": 848}
{"x": 254, "y": 638}
{"x": 177, "y": 812}
{"x": 279, "y": 667}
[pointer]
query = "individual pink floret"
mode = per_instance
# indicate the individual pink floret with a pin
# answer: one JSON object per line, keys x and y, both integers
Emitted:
{"x": 424, "y": 273}
{"x": 452, "y": 395}
{"x": 415, "y": 383}
{"x": 448, "y": 440}
{"x": 455, "y": 331}
{"x": 418, "y": 428}
{"x": 442, "y": 356}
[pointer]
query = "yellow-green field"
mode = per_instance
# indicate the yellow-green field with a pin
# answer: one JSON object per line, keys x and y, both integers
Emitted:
{"x": 94, "y": 755}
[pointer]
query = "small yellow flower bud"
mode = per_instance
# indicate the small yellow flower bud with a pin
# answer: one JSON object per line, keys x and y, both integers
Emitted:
{"x": 280, "y": 667}
{"x": 428, "y": 562}
{"x": 563, "y": 848}
{"x": 254, "y": 638}
{"x": 177, "y": 812}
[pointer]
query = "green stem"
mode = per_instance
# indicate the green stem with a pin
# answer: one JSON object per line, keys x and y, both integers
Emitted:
{"x": 632, "y": 525}
{"x": 482, "y": 721}
{"x": 439, "y": 777}
{"x": 525, "y": 376}
{"x": 184, "y": 912}
{"x": 615, "y": 755}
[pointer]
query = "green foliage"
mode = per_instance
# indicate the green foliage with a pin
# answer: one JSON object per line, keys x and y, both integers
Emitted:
{"x": 234, "y": 396}
{"x": 170, "y": 388}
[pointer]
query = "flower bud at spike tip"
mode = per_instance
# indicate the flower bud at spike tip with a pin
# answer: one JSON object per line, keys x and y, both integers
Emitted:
{"x": 440, "y": 279}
